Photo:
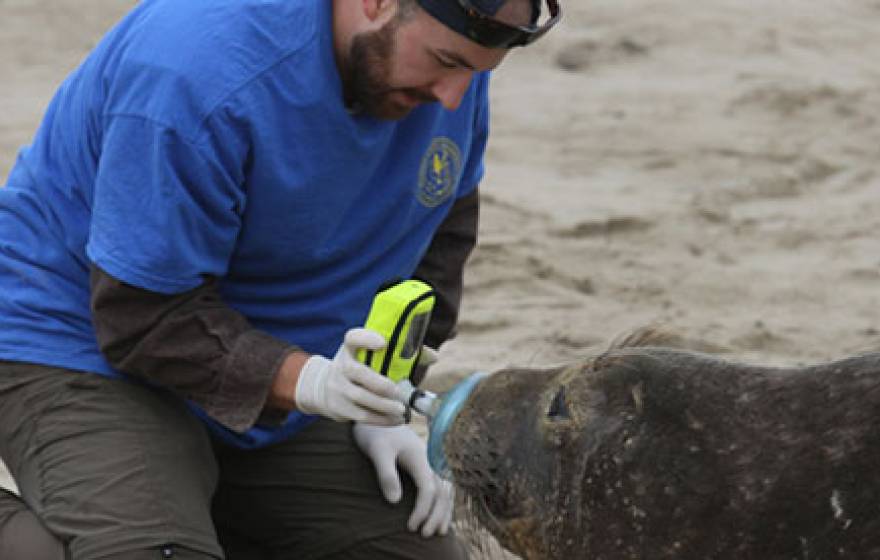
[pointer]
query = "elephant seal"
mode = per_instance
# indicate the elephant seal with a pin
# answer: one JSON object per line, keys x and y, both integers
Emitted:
{"x": 648, "y": 452}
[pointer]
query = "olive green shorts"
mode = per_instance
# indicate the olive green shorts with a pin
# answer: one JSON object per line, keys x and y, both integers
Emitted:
{"x": 116, "y": 470}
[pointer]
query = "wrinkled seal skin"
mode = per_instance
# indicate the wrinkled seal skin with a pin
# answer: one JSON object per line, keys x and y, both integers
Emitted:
{"x": 651, "y": 453}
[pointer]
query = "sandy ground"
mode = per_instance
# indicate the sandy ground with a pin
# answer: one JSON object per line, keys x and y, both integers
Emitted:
{"x": 711, "y": 167}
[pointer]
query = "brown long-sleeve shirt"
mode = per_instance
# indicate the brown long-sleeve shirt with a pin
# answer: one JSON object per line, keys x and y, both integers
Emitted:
{"x": 202, "y": 349}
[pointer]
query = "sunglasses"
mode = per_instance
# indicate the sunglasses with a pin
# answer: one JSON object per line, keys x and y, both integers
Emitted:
{"x": 466, "y": 18}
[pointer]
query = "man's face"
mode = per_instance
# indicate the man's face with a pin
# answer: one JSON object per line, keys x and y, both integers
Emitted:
{"x": 405, "y": 63}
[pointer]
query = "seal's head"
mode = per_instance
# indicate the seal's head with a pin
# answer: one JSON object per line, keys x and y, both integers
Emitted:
{"x": 557, "y": 462}
{"x": 503, "y": 450}
{"x": 521, "y": 446}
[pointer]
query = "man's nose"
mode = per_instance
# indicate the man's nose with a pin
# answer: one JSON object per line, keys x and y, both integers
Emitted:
{"x": 450, "y": 89}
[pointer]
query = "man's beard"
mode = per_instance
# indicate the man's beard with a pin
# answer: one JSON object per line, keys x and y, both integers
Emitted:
{"x": 367, "y": 76}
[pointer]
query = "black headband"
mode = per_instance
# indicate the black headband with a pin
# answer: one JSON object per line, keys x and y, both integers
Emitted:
{"x": 474, "y": 19}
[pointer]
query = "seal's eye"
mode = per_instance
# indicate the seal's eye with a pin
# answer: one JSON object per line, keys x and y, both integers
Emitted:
{"x": 558, "y": 408}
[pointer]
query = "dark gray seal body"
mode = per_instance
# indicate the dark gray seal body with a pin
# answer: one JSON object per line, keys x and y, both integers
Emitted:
{"x": 653, "y": 453}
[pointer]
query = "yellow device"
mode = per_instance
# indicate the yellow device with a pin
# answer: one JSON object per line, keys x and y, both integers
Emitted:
{"x": 401, "y": 314}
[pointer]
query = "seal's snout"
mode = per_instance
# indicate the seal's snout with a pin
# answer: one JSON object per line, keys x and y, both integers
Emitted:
{"x": 480, "y": 473}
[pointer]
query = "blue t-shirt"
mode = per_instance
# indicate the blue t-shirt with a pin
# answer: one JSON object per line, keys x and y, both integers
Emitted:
{"x": 209, "y": 137}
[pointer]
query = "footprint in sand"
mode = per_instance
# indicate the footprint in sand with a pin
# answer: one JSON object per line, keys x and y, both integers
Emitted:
{"x": 609, "y": 226}
{"x": 588, "y": 54}
{"x": 788, "y": 101}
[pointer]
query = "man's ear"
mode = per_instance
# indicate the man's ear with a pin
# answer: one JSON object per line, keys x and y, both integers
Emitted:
{"x": 377, "y": 9}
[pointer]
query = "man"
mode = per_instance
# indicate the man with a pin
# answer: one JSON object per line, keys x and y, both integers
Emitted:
{"x": 192, "y": 239}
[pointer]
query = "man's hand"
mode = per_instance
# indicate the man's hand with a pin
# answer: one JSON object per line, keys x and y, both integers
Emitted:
{"x": 344, "y": 389}
{"x": 389, "y": 447}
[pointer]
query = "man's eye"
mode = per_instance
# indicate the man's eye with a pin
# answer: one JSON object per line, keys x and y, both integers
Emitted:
{"x": 446, "y": 64}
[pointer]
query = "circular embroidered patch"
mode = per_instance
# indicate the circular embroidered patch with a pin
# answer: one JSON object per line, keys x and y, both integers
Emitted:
{"x": 439, "y": 172}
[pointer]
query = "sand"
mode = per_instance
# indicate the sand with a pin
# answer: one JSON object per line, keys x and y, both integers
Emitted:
{"x": 709, "y": 167}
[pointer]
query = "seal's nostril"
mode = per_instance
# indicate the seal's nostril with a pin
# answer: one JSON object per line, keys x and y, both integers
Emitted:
{"x": 558, "y": 409}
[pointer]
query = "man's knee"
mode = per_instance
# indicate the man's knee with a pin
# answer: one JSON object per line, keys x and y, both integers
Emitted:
{"x": 24, "y": 537}
{"x": 22, "y": 534}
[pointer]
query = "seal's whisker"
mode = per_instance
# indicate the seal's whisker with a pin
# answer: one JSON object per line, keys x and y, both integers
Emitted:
{"x": 477, "y": 534}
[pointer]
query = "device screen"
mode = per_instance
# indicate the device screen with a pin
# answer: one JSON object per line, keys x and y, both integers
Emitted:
{"x": 417, "y": 330}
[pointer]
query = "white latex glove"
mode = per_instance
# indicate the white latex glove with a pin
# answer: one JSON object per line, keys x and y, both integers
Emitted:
{"x": 344, "y": 389}
{"x": 389, "y": 447}
{"x": 428, "y": 356}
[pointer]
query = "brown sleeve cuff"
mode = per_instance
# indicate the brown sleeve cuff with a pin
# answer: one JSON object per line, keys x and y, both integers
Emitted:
{"x": 251, "y": 367}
